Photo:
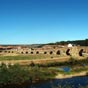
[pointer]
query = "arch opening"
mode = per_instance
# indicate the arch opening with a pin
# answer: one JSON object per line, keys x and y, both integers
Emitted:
{"x": 22, "y": 52}
{"x": 8, "y": 51}
{"x": 51, "y": 52}
{"x": 45, "y": 52}
{"x": 31, "y": 52}
{"x": 68, "y": 52}
{"x": 58, "y": 52}
{"x": 37, "y": 52}
{"x": 81, "y": 52}
{"x": 26, "y": 52}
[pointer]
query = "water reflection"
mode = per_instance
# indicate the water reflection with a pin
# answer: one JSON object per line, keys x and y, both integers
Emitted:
{"x": 65, "y": 69}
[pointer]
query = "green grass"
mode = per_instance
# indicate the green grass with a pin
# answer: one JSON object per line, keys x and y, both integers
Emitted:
{"x": 27, "y": 57}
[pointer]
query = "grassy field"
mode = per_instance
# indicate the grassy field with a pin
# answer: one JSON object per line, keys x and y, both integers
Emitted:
{"x": 27, "y": 57}
{"x": 36, "y": 58}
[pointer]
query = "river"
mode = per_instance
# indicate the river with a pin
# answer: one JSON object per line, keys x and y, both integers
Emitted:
{"x": 75, "y": 82}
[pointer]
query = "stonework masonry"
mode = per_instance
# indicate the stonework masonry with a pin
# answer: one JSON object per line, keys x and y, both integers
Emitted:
{"x": 74, "y": 51}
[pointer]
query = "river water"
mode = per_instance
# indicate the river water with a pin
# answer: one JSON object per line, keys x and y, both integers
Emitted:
{"x": 74, "y": 82}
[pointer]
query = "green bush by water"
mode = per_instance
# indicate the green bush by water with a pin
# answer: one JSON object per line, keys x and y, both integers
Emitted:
{"x": 16, "y": 74}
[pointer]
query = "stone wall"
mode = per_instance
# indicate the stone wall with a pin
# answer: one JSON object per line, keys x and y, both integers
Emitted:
{"x": 73, "y": 51}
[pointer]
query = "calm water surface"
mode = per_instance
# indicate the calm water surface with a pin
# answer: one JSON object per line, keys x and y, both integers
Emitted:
{"x": 75, "y": 81}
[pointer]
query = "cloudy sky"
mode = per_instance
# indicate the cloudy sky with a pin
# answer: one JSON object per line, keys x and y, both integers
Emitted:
{"x": 42, "y": 21}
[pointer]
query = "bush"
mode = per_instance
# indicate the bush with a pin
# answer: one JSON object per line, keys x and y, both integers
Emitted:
{"x": 17, "y": 74}
{"x": 13, "y": 74}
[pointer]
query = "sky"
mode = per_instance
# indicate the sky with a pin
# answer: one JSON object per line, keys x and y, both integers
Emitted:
{"x": 42, "y": 21}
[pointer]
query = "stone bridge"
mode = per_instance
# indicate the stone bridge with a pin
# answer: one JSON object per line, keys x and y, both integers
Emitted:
{"x": 73, "y": 51}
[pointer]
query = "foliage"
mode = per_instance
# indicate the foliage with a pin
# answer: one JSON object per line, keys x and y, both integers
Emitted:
{"x": 17, "y": 74}
{"x": 77, "y": 42}
{"x": 13, "y": 74}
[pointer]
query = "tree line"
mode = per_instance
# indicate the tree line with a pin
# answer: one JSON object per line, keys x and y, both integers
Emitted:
{"x": 75, "y": 42}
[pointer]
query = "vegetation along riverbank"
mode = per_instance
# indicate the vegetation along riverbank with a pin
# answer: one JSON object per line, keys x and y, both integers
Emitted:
{"x": 23, "y": 75}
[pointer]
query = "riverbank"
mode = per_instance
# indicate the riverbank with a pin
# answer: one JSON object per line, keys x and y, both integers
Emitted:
{"x": 37, "y": 59}
{"x": 39, "y": 71}
{"x": 64, "y": 76}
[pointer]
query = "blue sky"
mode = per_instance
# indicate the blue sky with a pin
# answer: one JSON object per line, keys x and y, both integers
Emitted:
{"x": 42, "y": 21}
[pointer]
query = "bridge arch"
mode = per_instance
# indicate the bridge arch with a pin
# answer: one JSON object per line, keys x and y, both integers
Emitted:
{"x": 51, "y": 52}
{"x": 81, "y": 52}
{"x": 58, "y": 52}
{"x": 26, "y": 52}
{"x": 45, "y": 52}
{"x": 37, "y": 52}
{"x": 68, "y": 52}
{"x": 32, "y": 52}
